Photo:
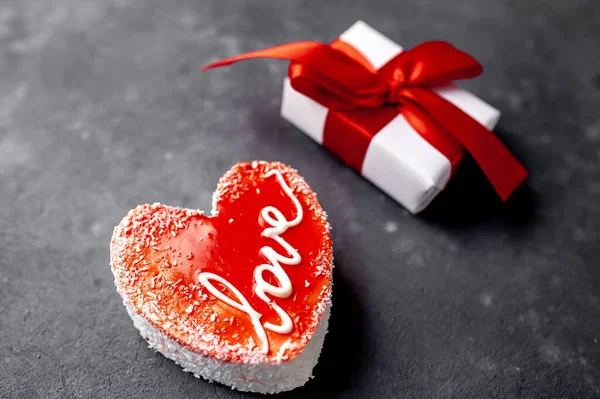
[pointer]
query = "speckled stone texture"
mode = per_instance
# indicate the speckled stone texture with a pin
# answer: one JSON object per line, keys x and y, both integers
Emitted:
{"x": 103, "y": 107}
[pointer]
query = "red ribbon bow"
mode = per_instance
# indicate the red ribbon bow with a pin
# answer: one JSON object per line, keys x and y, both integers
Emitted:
{"x": 342, "y": 79}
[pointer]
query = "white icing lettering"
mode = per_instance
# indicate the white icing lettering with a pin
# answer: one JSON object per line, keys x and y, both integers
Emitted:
{"x": 243, "y": 305}
{"x": 279, "y": 225}
{"x": 280, "y": 355}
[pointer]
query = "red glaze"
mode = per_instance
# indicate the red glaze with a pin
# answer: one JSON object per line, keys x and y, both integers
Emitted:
{"x": 157, "y": 252}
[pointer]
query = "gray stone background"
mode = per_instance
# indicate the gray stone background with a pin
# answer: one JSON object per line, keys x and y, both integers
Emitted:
{"x": 103, "y": 107}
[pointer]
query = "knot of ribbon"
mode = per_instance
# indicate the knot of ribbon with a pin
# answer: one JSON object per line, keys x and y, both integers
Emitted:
{"x": 395, "y": 92}
{"x": 341, "y": 79}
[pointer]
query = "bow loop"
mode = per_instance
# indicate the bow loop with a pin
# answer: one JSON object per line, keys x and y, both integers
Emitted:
{"x": 429, "y": 64}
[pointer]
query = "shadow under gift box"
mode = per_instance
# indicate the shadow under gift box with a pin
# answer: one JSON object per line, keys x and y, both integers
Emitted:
{"x": 398, "y": 160}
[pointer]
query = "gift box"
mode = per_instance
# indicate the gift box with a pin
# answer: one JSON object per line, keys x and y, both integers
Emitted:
{"x": 393, "y": 115}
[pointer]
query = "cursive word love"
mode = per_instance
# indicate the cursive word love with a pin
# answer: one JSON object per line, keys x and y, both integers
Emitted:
{"x": 278, "y": 225}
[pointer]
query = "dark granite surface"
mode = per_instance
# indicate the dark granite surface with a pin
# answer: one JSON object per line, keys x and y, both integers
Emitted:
{"x": 103, "y": 107}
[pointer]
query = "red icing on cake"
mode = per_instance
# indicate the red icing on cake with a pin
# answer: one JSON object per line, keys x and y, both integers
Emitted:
{"x": 157, "y": 252}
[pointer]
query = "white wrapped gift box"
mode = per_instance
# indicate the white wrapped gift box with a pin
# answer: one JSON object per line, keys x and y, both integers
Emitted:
{"x": 398, "y": 160}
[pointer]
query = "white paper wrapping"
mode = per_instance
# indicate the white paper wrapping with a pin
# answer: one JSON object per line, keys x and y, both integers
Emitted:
{"x": 398, "y": 161}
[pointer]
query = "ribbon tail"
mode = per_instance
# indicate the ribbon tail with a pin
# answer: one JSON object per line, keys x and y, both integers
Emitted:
{"x": 319, "y": 57}
{"x": 289, "y": 51}
{"x": 502, "y": 169}
{"x": 323, "y": 73}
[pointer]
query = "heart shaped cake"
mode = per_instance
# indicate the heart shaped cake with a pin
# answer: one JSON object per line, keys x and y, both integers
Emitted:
{"x": 240, "y": 297}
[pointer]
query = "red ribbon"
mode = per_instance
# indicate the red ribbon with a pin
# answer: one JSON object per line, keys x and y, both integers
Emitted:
{"x": 365, "y": 100}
